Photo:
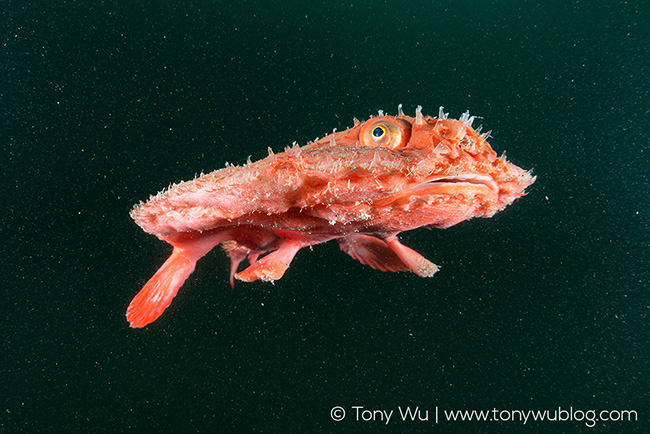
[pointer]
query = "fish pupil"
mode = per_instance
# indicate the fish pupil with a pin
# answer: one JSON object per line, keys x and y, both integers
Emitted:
{"x": 378, "y": 132}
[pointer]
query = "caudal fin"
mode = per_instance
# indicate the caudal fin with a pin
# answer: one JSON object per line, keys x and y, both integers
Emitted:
{"x": 159, "y": 291}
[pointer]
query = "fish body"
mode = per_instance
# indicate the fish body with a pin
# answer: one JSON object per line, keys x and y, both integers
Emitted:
{"x": 362, "y": 187}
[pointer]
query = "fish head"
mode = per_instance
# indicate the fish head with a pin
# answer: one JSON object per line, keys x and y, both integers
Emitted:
{"x": 447, "y": 163}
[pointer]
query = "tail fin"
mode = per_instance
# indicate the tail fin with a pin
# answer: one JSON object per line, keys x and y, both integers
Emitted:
{"x": 159, "y": 291}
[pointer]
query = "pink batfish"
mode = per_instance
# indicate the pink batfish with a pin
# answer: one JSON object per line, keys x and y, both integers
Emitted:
{"x": 362, "y": 187}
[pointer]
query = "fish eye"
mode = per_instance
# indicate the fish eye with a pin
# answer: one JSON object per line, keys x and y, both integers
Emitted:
{"x": 378, "y": 132}
{"x": 385, "y": 132}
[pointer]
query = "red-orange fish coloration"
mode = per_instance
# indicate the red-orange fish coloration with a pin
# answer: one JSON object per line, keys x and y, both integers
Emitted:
{"x": 362, "y": 186}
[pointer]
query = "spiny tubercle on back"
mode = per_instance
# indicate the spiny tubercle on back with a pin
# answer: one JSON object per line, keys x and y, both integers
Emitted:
{"x": 460, "y": 147}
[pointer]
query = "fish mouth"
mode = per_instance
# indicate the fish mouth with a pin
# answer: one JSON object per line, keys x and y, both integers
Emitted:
{"x": 471, "y": 178}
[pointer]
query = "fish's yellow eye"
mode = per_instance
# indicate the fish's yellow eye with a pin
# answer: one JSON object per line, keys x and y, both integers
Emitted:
{"x": 385, "y": 132}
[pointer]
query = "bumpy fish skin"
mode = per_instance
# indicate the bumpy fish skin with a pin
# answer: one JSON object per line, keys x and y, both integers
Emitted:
{"x": 361, "y": 186}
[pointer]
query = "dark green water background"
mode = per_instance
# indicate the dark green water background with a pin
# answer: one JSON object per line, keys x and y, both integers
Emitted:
{"x": 544, "y": 305}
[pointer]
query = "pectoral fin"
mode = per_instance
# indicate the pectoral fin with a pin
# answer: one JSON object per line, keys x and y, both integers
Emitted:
{"x": 272, "y": 266}
{"x": 373, "y": 252}
{"x": 413, "y": 260}
{"x": 387, "y": 254}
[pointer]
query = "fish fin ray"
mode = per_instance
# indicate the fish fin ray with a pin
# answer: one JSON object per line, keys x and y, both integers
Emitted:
{"x": 237, "y": 254}
{"x": 158, "y": 292}
{"x": 373, "y": 252}
{"x": 413, "y": 260}
{"x": 272, "y": 266}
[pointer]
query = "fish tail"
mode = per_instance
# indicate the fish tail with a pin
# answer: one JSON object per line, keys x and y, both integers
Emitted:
{"x": 159, "y": 291}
